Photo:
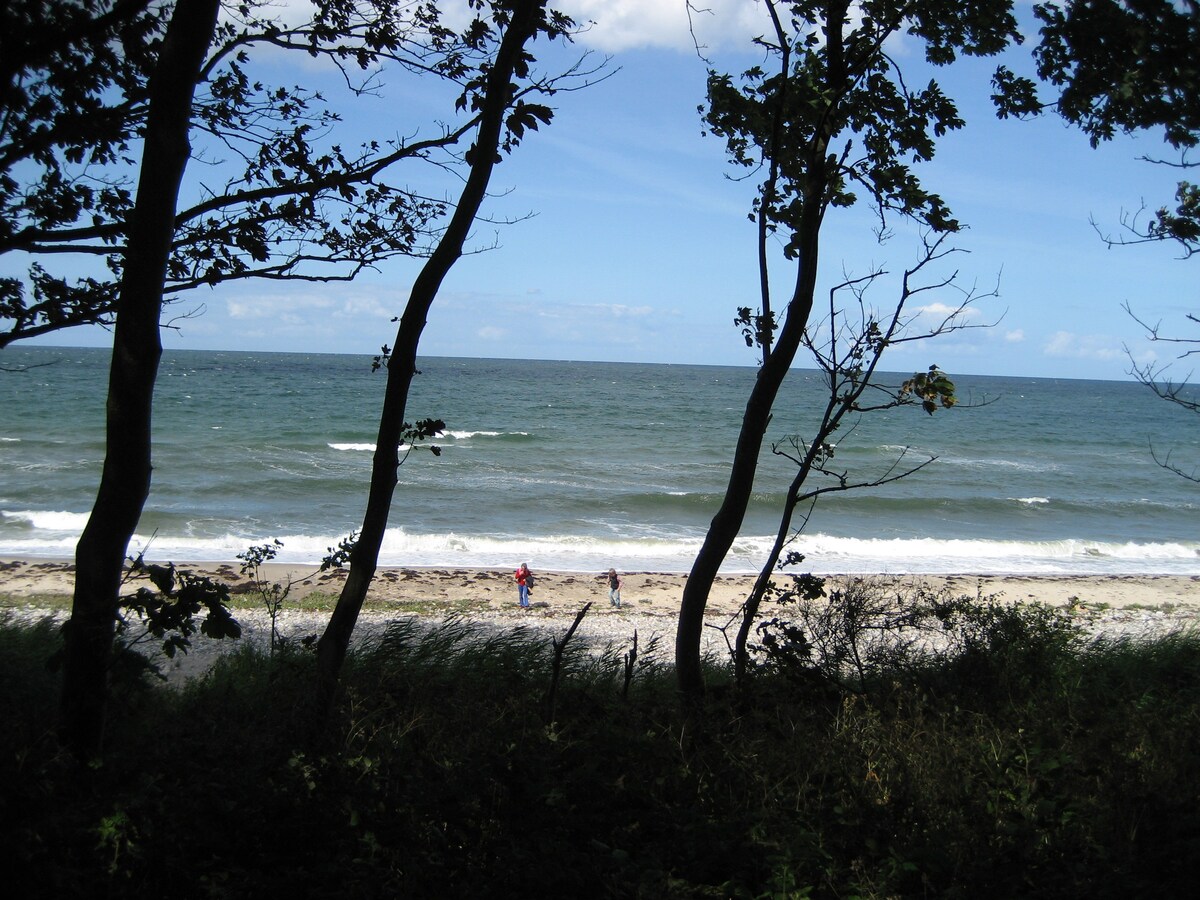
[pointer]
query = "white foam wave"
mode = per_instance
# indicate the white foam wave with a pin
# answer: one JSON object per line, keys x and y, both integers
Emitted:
{"x": 935, "y": 556}
{"x": 966, "y": 462}
{"x": 1031, "y": 501}
{"x": 363, "y": 447}
{"x": 453, "y": 435}
{"x": 54, "y": 535}
{"x": 47, "y": 519}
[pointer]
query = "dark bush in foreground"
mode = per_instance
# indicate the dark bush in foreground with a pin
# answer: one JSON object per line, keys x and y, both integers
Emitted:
{"x": 1020, "y": 760}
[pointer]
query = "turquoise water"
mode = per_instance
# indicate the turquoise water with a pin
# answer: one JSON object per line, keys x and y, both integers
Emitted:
{"x": 582, "y": 466}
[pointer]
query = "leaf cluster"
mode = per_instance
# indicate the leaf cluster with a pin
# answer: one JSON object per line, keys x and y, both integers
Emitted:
{"x": 73, "y": 96}
{"x": 932, "y": 389}
{"x": 758, "y": 328}
{"x": 839, "y": 116}
{"x": 169, "y": 610}
{"x": 422, "y": 431}
{"x": 1121, "y": 67}
{"x": 336, "y": 557}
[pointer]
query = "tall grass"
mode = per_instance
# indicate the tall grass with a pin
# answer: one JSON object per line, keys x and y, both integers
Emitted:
{"x": 1018, "y": 759}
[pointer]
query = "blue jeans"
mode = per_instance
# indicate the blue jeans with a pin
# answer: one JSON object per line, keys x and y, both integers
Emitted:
{"x": 614, "y": 596}
{"x": 523, "y": 593}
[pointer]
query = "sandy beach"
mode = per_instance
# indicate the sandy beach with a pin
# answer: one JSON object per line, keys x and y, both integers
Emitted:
{"x": 1138, "y": 604}
{"x": 492, "y": 592}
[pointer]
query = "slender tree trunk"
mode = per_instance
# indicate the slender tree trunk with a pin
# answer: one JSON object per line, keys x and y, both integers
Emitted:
{"x": 331, "y": 649}
{"x": 125, "y": 481}
{"x": 726, "y": 524}
{"x": 754, "y": 601}
{"x": 728, "y": 521}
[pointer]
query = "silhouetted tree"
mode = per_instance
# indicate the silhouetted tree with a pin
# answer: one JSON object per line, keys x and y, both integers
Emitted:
{"x": 288, "y": 208}
{"x": 834, "y": 115}
{"x": 848, "y": 347}
{"x": 125, "y": 480}
{"x": 498, "y": 95}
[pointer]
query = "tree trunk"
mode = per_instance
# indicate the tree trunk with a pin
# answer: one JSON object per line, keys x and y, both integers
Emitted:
{"x": 332, "y": 647}
{"x": 728, "y": 521}
{"x": 750, "y": 608}
{"x": 125, "y": 481}
{"x": 726, "y": 524}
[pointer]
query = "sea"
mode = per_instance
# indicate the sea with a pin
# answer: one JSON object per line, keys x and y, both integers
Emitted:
{"x": 582, "y": 466}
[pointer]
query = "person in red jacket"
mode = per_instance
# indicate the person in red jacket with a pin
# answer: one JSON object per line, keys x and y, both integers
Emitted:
{"x": 524, "y": 582}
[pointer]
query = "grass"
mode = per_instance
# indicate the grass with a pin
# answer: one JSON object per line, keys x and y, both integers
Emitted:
{"x": 313, "y": 601}
{"x": 49, "y": 602}
{"x": 1022, "y": 759}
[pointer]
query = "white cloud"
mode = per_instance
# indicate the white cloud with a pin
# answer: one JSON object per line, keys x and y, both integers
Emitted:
{"x": 713, "y": 25}
{"x": 491, "y": 333}
{"x": 618, "y": 24}
{"x": 621, "y": 311}
{"x": 1014, "y": 337}
{"x": 597, "y": 313}
{"x": 360, "y": 307}
{"x": 943, "y": 310}
{"x": 612, "y": 26}
{"x": 295, "y": 309}
{"x": 1068, "y": 345}
{"x": 1144, "y": 358}
{"x": 266, "y": 306}
{"x": 633, "y": 24}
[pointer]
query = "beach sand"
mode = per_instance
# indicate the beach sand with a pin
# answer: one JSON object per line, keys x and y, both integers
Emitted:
{"x": 1126, "y": 604}
{"x": 488, "y": 591}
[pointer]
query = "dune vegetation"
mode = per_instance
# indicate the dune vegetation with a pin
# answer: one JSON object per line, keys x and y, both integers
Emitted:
{"x": 1012, "y": 756}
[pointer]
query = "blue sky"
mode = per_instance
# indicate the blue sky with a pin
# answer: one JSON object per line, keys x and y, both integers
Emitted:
{"x": 639, "y": 249}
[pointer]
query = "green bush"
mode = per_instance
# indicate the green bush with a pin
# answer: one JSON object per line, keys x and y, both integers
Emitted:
{"x": 1015, "y": 759}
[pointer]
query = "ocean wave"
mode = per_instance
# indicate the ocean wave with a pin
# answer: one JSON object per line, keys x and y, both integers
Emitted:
{"x": 939, "y": 552}
{"x": 467, "y": 435}
{"x": 984, "y": 463}
{"x": 46, "y": 520}
{"x": 364, "y": 447}
{"x": 825, "y": 554}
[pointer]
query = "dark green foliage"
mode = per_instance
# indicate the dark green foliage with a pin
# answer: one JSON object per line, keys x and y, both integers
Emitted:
{"x": 287, "y": 196}
{"x": 933, "y": 389}
{"x": 1121, "y": 67}
{"x": 845, "y": 120}
{"x": 1019, "y": 761}
{"x": 170, "y": 611}
{"x": 1124, "y": 66}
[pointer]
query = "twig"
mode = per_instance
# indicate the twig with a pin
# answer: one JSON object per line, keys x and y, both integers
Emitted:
{"x": 630, "y": 661}
{"x": 559, "y": 650}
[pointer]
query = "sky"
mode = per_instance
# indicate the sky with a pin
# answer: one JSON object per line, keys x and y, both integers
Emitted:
{"x": 632, "y": 242}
